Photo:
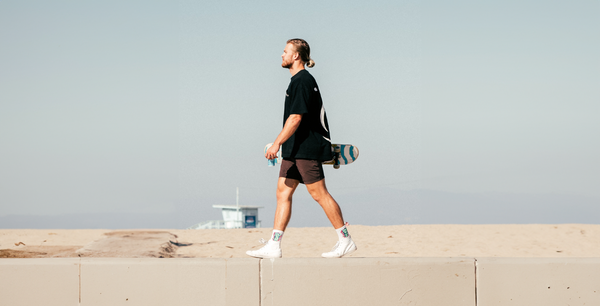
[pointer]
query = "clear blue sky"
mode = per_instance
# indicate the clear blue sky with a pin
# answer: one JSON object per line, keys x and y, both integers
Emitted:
{"x": 165, "y": 107}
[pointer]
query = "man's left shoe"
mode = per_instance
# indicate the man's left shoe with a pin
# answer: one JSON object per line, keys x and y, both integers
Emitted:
{"x": 341, "y": 248}
{"x": 270, "y": 250}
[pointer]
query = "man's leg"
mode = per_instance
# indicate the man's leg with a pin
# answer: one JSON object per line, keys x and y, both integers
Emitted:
{"x": 345, "y": 245}
{"x": 320, "y": 194}
{"x": 283, "y": 212}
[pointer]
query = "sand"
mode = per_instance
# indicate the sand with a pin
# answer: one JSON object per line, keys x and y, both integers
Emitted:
{"x": 530, "y": 240}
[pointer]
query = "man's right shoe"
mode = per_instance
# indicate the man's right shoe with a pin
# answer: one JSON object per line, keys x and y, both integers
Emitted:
{"x": 270, "y": 250}
{"x": 341, "y": 248}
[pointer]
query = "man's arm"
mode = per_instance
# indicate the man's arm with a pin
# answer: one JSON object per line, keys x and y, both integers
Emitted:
{"x": 289, "y": 128}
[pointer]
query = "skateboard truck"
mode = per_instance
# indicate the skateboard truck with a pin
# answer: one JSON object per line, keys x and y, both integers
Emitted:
{"x": 336, "y": 157}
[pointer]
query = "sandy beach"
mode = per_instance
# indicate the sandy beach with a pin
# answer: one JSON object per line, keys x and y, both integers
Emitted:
{"x": 530, "y": 240}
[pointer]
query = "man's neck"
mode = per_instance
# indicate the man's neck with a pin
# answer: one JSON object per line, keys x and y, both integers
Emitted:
{"x": 296, "y": 67}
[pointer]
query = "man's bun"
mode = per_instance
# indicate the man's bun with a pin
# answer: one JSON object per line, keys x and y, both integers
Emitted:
{"x": 310, "y": 63}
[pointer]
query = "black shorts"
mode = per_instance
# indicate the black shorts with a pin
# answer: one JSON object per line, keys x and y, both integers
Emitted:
{"x": 307, "y": 171}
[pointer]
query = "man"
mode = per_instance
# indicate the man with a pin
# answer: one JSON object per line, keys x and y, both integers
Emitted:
{"x": 305, "y": 143}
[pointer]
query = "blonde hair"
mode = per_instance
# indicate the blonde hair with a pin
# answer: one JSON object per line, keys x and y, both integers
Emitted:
{"x": 303, "y": 49}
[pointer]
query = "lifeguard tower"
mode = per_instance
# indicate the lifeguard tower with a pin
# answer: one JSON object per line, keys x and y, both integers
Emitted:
{"x": 234, "y": 216}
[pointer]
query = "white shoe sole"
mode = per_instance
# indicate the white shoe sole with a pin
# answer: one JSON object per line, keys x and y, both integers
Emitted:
{"x": 249, "y": 253}
{"x": 340, "y": 256}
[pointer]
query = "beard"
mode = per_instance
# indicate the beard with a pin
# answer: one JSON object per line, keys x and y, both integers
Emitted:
{"x": 287, "y": 64}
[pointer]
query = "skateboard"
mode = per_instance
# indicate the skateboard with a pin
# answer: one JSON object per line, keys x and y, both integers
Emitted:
{"x": 343, "y": 154}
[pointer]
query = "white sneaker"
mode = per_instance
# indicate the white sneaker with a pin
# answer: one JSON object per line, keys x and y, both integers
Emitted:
{"x": 341, "y": 248}
{"x": 270, "y": 250}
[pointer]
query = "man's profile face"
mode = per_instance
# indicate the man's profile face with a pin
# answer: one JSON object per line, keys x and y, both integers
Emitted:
{"x": 287, "y": 58}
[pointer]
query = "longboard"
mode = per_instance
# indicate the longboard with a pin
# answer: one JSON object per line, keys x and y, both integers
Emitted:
{"x": 343, "y": 154}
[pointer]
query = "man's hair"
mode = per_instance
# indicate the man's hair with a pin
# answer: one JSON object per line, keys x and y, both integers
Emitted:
{"x": 303, "y": 49}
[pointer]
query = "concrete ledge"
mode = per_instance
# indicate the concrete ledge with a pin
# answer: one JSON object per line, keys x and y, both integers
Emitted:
{"x": 300, "y": 281}
{"x": 538, "y": 281}
{"x": 44, "y": 281}
{"x": 155, "y": 281}
{"x": 368, "y": 281}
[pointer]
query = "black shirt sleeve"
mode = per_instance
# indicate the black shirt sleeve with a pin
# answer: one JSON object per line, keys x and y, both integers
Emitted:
{"x": 300, "y": 97}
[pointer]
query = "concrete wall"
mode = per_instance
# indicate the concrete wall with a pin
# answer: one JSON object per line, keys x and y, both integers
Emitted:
{"x": 155, "y": 281}
{"x": 368, "y": 281}
{"x": 538, "y": 281}
{"x": 300, "y": 281}
{"x": 39, "y": 282}
{"x": 125, "y": 281}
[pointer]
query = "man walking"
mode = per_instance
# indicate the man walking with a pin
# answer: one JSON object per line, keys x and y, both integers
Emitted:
{"x": 305, "y": 143}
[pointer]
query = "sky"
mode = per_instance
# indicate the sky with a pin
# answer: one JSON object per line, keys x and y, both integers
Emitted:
{"x": 121, "y": 114}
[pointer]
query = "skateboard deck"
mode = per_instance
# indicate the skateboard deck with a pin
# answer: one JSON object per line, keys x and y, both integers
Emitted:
{"x": 343, "y": 154}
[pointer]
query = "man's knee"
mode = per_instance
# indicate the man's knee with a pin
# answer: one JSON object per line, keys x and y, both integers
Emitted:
{"x": 286, "y": 188}
{"x": 284, "y": 196}
{"x": 318, "y": 191}
{"x": 318, "y": 197}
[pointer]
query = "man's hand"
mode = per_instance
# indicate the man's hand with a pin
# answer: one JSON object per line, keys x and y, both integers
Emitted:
{"x": 272, "y": 152}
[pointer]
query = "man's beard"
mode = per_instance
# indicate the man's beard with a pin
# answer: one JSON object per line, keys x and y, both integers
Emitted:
{"x": 287, "y": 65}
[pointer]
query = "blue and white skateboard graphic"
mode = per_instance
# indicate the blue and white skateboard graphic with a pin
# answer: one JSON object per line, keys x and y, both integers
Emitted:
{"x": 343, "y": 154}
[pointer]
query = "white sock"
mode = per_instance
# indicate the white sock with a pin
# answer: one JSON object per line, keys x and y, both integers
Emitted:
{"x": 342, "y": 233}
{"x": 276, "y": 236}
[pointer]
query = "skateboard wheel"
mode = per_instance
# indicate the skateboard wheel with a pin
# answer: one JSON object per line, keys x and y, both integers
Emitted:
{"x": 336, "y": 166}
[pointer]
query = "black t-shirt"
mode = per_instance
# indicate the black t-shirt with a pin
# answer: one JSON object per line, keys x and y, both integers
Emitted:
{"x": 311, "y": 140}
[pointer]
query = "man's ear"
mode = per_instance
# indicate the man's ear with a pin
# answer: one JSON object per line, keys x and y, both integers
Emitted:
{"x": 296, "y": 56}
